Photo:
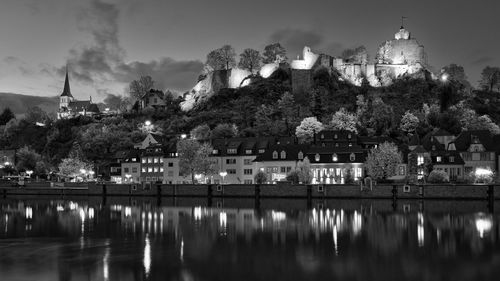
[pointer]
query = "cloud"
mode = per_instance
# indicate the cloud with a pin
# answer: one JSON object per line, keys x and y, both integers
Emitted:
{"x": 104, "y": 60}
{"x": 482, "y": 60}
{"x": 294, "y": 41}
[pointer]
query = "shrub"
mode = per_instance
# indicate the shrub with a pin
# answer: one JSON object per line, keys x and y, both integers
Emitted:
{"x": 260, "y": 177}
{"x": 293, "y": 177}
{"x": 438, "y": 177}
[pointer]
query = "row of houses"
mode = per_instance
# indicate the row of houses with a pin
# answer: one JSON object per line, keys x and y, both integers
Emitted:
{"x": 334, "y": 157}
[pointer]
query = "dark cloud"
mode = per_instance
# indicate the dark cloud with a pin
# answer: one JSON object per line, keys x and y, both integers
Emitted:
{"x": 105, "y": 59}
{"x": 482, "y": 60}
{"x": 294, "y": 41}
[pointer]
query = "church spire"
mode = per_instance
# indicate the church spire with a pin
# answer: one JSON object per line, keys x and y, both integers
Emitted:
{"x": 67, "y": 91}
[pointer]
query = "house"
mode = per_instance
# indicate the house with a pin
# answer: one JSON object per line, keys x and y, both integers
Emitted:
{"x": 477, "y": 149}
{"x": 151, "y": 139}
{"x": 279, "y": 160}
{"x": 152, "y": 99}
{"x": 69, "y": 107}
{"x": 131, "y": 167}
{"x": 152, "y": 164}
{"x": 7, "y": 157}
{"x": 450, "y": 162}
{"x": 331, "y": 165}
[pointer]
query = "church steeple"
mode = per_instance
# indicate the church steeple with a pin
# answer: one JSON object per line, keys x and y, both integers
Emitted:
{"x": 67, "y": 91}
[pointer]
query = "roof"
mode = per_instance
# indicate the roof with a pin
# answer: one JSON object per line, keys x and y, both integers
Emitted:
{"x": 153, "y": 92}
{"x": 66, "y": 91}
{"x": 441, "y": 132}
{"x": 484, "y": 137}
{"x": 83, "y": 106}
{"x": 291, "y": 152}
{"x": 342, "y": 157}
{"x": 419, "y": 149}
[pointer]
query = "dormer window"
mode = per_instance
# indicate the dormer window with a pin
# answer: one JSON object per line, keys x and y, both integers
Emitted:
{"x": 335, "y": 158}
{"x": 317, "y": 157}
{"x": 349, "y": 136}
{"x": 301, "y": 155}
{"x": 283, "y": 154}
{"x": 232, "y": 151}
{"x": 336, "y": 144}
{"x": 322, "y": 136}
{"x": 352, "y": 157}
{"x": 248, "y": 151}
{"x": 275, "y": 154}
{"x": 452, "y": 159}
{"x": 350, "y": 144}
{"x": 215, "y": 151}
{"x": 335, "y": 136}
{"x": 262, "y": 151}
{"x": 438, "y": 159}
{"x": 433, "y": 147}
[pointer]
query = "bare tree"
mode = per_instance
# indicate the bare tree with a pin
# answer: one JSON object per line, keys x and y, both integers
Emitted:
{"x": 490, "y": 78}
{"x": 250, "y": 59}
{"x": 222, "y": 58}
{"x": 138, "y": 88}
{"x": 274, "y": 53}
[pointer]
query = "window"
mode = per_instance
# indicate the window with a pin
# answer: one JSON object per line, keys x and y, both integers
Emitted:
{"x": 335, "y": 158}
{"x": 231, "y": 161}
{"x": 335, "y": 136}
{"x": 150, "y": 160}
{"x": 134, "y": 159}
{"x": 357, "y": 173}
{"x": 283, "y": 154}
{"x": 317, "y": 157}
{"x": 322, "y": 136}
{"x": 161, "y": 169}
{"x": 144, "y": 160}
{"x": 349, "y": 136}
{"x": 155, "y": 160}
{"x": 143, "y": 170}
{"x": 148, "y": 178}
{"x": 352, "y": 157}
{"x": 170, "y": 164}
{"x": 476, "y": 156}
{"x": 155, "y": 169}
{"x": 161, "y": 160}
{"x": 433, "y": 147}
{"x": 275, "y": 169}
{"x": 420, "y": 160}
{"x": 247, "y": 171}
{"x": 336, "y": 144}
{"x": 231, "y": 171}
{"x": 248, "y": 151}
{"x": 153, "y": 178}
{"x": 150, "y": 169}
{"x": 215, "y": 151}
{"x": 262, "y": 150}
{"x": 247, "y": 182}
{"x": 247, "y": 161}
{"x": 438, "y": 158}
{"x": 301, "y": 155}
{"x": 282, "y": 169}
{"x": 125, "y": 170}
{"x": 232, "y": 151}
{"x": 275, "y": 154}
{"x": 350, "y": 144}
{"x": 134, "y": 169}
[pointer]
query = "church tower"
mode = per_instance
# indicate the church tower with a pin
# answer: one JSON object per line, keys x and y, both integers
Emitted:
{"x": 65, "y": 98}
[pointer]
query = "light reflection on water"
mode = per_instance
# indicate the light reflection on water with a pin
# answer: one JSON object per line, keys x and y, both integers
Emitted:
{"x": 70, "y": 240}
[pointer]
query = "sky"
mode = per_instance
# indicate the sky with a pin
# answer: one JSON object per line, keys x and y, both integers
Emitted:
{"x": 107, "y": 43}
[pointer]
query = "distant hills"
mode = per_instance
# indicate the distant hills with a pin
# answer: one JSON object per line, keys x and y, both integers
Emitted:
{"x": 19, "y": 104}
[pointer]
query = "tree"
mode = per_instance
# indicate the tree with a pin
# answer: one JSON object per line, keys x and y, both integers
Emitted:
{"x": 456, "y": 73}
{"x": 490, "y": 78}
{"x": 6, "y": 116}
{"x": 250, "y": 60}
{"x": 222, "y": 58}
{"x": 267, "y": 122}
{"x": 194, "y": 158}
{"x": 483, "y": 122}
{"x": 381, "y": 117}
{"x": 138, "y": 88}
{"x": 116, "y": 102}
{"x": 307, "y": 128}
{"x": 383, "y": 160}
{"x": 260, "y": 177}
{"x": 409, "y": 123}
{"x": 72, "y": 167}
{"x": 305, "y": 172}
{"x": 343, "y": 120}
{"x": 36, "y": 114}
{"x": 200, "y": 132}
{"x": 26, "y": 159}
{"x": 274, "y": 53}
{"x": 356, "y": 55}
{"x": 224, "y": 130}
{"x": 293, "y": 177}
{"x": 438, "y": 177}
{"x": 289, "y": 112}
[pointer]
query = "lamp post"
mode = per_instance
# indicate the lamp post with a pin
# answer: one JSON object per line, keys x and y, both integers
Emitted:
{"x": 223, "y": 174}
{"x": 29, "y": 172}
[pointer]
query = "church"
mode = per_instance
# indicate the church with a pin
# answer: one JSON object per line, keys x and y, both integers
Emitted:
{"x": 69, "y": 107}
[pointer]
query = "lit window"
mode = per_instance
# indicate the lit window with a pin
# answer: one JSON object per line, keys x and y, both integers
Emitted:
{"x": 316, "y": 157}
{"x": 301, "y": 155}
{"x": 262, "y": 150}
{"x": 155, "y": 169}
{"x": 143, "y": 170}
{"x": 155, "y": 160}
{"x": 452, "y": 159}
{"x": 215, "y": 151}
{"x": 150, "y": 170}
{"x": 275, "y": 155}
{"x": 161, "y": 169}
{"x": 161, "y": 160}
{"x": 352, "y": 157}
{"x": 438, "y": 159}
{"x": 144, "y": 160}
{"x": 134, "y": 159}
{"x": 248, "y": 151}
{"x": 150, "y": 160}
{"x": 322, "y": 136}
{"x": 283, "y": 154}
{"x": 349, "y": 136}
{"x": 350, "y": 144}
{"x": 420, "y": 160}
{"x": 232, "y": 151}
{"x": 335, "y": 136}
{"x": 335, "y": 158}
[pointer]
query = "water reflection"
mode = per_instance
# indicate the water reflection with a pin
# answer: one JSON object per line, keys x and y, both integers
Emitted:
{"x": 75, "y": 240}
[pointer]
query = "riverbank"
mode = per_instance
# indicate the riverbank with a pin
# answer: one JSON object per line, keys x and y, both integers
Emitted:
{"x": 382, "y": 191}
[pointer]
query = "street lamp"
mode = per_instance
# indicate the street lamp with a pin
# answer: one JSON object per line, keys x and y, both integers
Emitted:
{"x": 223, "y": 174}
{"x": 444, "y": 77}
{"x": 128, "y": 176}
{"x": 29, "y": 172}
{"x": 147, "y": 123}
{"x": 84, "y": 173}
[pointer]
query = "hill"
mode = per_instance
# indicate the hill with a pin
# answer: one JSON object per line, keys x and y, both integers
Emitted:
{"x": 19, "y": 104}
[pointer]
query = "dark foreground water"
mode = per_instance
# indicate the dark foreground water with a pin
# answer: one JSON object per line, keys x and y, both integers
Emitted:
{"x": 87, "y": 239}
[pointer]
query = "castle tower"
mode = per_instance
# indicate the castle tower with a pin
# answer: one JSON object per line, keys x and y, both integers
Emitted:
{"x": 66, "y": 97}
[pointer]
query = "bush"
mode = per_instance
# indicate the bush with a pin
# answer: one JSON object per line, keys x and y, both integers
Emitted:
{"x": 438, "y": 177}
{"x": 260, "y": 177}
{"x": 293, "y": 177}
{"x": 483, "y": 175}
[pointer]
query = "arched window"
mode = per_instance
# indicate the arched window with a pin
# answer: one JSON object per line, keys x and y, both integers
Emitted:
{"x": 283, "y": 154}
{"x": 316, "y": 157}
{"x": 352, "y": 157}
{"x": 335, "y": 158}
{"x": 349, "y": 136}
{"x": 335, "y": 136}
{"x": 301, "y": 155}
{"x": 275, "y": 154}
{"x": 322, "y": 136}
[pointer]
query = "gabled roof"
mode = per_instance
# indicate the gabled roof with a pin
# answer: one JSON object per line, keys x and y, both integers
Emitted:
{"x": 445, "y": 158}
{"x": 466, "y": 138}
{"x": 159, "y": 137}
{"x": 83, "y": 105}
{"x": 342, "y": 157}
{"x": 66, "y": 91}
{"x": 441, "y": 132}
{"x": 419, "y": 149}
{"x": 291, "y": 152}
